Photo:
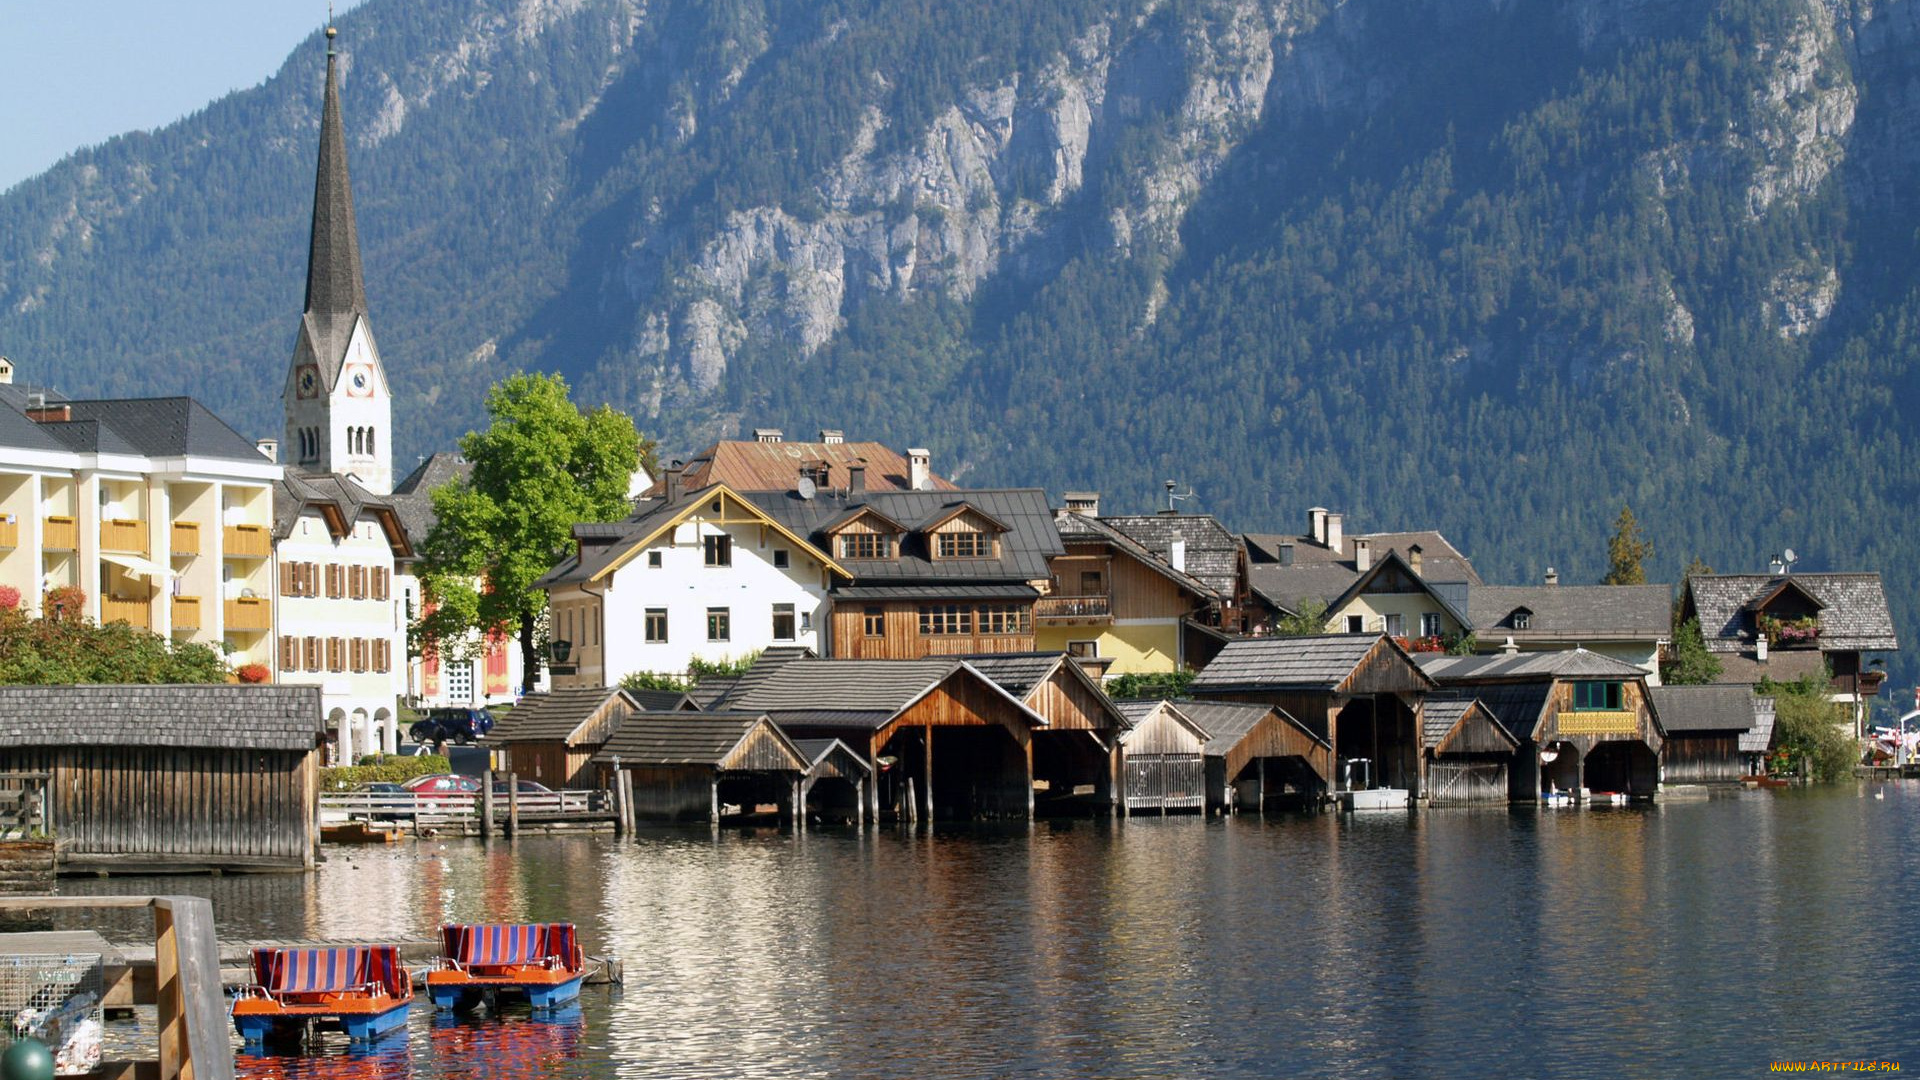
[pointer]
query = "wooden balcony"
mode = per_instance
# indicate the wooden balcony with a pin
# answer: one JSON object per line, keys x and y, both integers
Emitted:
{"x": 1598, "y": 722}
{"x": 186, "y": 613}
{"x": 249, "y": 613}
{"x": 9, "y": 534}
{"x": 1073, "y": 609}
{"x": 185, "y": 538}
{"x": 136, "y": 613}
{"x": 247, "y": 542}
{"x": 123, "y": 535}
{"x": 60, "y": 534}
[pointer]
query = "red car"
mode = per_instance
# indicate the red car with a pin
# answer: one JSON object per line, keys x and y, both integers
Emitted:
{"x": 443, "y": 785}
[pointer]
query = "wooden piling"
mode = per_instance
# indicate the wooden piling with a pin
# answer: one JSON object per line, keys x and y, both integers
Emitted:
{"x": 486, "y": 805}
{"x": 513, "y": 804}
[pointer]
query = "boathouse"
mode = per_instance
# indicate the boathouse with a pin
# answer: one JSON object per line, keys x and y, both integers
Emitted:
{"x": 704, "y": 766}
{"x": 1359, "y": 693}
{"x": 1258, "y": 756}
{"x": 172, "y": 779}
{"x": 835, "y": 783}
{"x": 1468, "y": 752}
{"x": 1704, "y": 726}
{"x": 1162, "y": 760}
{"x": 550, "y": 738}
{"x": 1076, "y": 755}
{"x": 1583, "y": 721}
{"x": 942, "y": 739}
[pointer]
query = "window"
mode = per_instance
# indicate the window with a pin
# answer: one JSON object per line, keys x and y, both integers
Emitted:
{"x": 1596, "y": 695}
{"x": 940, "y": 620}
{"x": 656, "y": 625}
{"x": 1003, "y": 619}
{"x": 873, "y": 622}
{"x": 783, "y": 622}
{"x": 1083, "y": 648}
{"x": 1430, "y": 624}
{"x": 1396, "y": 625}
{"x": 460, "y": 683}
{"x": 719, "y": 624}
{"x": 1521, "y": 618}
{"x": 357, "y": 654}
{"x": 806, "y": 622}
{"x": 719, "y": 550}
{"x": 1093, "y": 583}
{"x": 336, "y": 583}
{"x": 336, "y": 654}
{"x": 1356, "y": 624}
{"x": 381, "y": 583}
{"x": 653, "y": 560}
{"x": 963, "y": 545}
{"x": 782, "y": 558}
{"x": 866, "y": 546}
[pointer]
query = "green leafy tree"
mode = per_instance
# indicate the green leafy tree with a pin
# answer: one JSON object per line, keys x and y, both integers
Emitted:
{"x": 541, "y": 467}
{"x": 1811, "y": 731}
{"x": 70, "y": 649}
{"x": 1691, "y": 664}
{"x": 1309, "y": 620}
{"x": 1159, "y": 684}
{"x": 699, "y": 670}
{"x": 1626, "y": 552}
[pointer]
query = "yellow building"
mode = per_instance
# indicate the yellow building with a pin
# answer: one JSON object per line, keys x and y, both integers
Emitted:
{"x": 1109, "y": 597}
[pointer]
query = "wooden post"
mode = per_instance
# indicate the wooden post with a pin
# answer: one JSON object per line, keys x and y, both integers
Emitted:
{"x": 168, "y": 999}
{"x": 799, "y": 809}
{"x": 928, "y": 793}
{"x": 1260, "y": 786}
{"x": 629, "y": 814}
{"x": 860, "y": 803}
{"x": 873, "y": 775}
{"x": 713, "y": 800}
{"x": 913, "y": 804}
{"x": 1029, "y": 750}
{"x": 513, "y": 805}
{"x": 486, "y": 804}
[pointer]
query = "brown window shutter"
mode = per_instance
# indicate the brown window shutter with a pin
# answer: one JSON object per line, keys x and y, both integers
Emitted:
{"x": 335, "y": 586}
{"x": 287, "y": 660}
{"x": 311, "y": 647}
{"x": 380, "y": 575}
{"x": 286, "y": 579}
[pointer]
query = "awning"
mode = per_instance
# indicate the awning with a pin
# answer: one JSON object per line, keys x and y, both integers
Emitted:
{"x": 139, "y": 567}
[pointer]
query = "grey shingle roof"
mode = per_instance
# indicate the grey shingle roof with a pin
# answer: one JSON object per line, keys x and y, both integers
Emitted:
{"x": 1703, "y": 708}
{"x": 19, "y": 433}
{"x": 168, "y": 427}
{"x": 297, "y": 490}
{"x": 659, "y": 700}
{"x": 554, "y": 715}
{"x": 709, "y": 692}
{"x": 1516, "y": 705}
{"x": 1319, "y": 662}
{"x": 90, "y": 437}
{"x": 1557, "y": 664}
{"x": 413, "y": 496}
{"x": 1854, "y": 617}
{"x": 1030, "y": 541}
{"x": 682, "y": 738}
{"x": 1082, "y": 528}
{"x": 1228, "y": 722}
{"x": 817, "y": 750}
{"x": 861, "y": 686}
{"x": 1322, "y": 574}
{"x": 1572, "y": 612}
{"x": 1759, "y": 738}
{"x": 1212, "y": 552}
{"x": 1438, "y": 716}
{"x": 190, "y": 716}
{"x": 1017, "y": 673}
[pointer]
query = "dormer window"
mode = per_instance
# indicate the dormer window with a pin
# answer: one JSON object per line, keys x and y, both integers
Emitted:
{"x": 1521, "y": 619}
{"x": 963, "y": 545}
{"x": 866, "y": 546}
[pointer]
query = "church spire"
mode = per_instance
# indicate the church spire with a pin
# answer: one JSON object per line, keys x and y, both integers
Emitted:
{"x": 334, "y": 286}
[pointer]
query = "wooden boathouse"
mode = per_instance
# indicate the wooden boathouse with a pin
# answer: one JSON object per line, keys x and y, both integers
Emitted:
{"x": 1360, "y": 693}
{"x": 704, "y": 766}
{"x": 1162, "y": 759}
{"x": 1705, "y": 726}
{"x": 171, "y": 779}
{"x": 1258, "y": 756}
{"x": 1076, "y": 755}
{"x": 1468, "y": 752}
{"x": 835, "y": 783}
{"x": 550, "y": 738}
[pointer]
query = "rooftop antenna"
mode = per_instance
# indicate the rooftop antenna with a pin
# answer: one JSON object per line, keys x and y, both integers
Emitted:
{"x": 1174, "y": 497}
{"x": 1789, "y": 558}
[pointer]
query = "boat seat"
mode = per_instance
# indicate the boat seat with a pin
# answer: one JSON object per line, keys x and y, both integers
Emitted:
{"x": 499, "y": 945}
{"x": 310, "y": 972}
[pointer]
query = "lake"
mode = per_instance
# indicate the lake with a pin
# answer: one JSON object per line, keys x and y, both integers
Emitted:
{"x": 1691, "y": 938}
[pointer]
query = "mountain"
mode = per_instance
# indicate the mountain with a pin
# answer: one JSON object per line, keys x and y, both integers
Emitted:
{"x": 1492, "y": 266}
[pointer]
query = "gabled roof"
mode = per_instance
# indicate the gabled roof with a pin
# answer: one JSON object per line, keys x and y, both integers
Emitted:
{"x": 341, "y": 501}
{"x": 1020, "y": 674}
{"x": 1138, "y": 711}
{"x": 1573, "y": 612}
{"x": 816, "y": 751}
{"x": 1081, "y": 528}
{"x": 1444, "y": 718}
{"x": 177, "y": 716}
{"x": 1704, "y": 708}
{"x": 413, "y": 497}
{"x": 1228, "y": 722}
{"x": 692, "y": 738}
{"x": 860, "y": 694}
{"x": 596, "y": 562}
{"x": 1212, "y": 552}
{"x": 1320, "y": 662}
{"x": 556, "y": 715}
{"x": 855, "y": 513}
{"x": 1318, "y": 572}
{"x": 1518, "y": 706}
{"x": 756, "y": 466}
{"x": 1031, "y": 539}
{"x": 952, "y": 510}
{"x": 1558, "y": 664}
{"x": 167, "y": 427}
{"x": 1394, "y": 561}
{"x": 1855, "y": 615}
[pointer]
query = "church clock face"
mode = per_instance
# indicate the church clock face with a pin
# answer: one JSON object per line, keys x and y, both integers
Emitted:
{"x": 307, "y": 381}
{"x": 360, "y": 380}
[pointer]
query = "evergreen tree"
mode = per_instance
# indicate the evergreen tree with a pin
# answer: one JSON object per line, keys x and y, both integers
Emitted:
{"x": 1626, "y": 552}
{"x": 1692, "y": 664}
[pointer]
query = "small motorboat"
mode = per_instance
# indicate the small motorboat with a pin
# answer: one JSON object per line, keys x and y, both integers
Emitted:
{"x": 363, "y": 990}
{"x": 540, "y": 960}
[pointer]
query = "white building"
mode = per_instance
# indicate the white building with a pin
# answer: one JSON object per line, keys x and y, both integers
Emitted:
{"x": 705, "y": 575}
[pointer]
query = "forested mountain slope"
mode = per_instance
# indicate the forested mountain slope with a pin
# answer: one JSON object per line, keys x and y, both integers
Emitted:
{"x": 1487, "y": 265}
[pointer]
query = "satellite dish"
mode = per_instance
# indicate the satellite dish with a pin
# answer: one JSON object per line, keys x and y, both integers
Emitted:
{"x": 1790, "y": 556}
{"x": 806, "y": 487}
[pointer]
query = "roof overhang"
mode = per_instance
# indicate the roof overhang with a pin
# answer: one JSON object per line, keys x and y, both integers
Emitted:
{"x": 693, "y": 505}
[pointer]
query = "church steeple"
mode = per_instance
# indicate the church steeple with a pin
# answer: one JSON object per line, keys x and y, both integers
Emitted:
{"x": 334, "y": 285}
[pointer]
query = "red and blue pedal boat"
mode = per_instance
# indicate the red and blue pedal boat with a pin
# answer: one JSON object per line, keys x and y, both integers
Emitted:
{"x": 540, "y": 960}
{"x": 363, "y": 990}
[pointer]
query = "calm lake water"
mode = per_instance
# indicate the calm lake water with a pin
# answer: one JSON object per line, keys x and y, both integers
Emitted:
{"x": 1692, "y": 938}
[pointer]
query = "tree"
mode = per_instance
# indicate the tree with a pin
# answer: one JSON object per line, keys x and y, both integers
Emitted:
{"x": 1692, "y": 664}
{"x": 1311, "y": 619}
{"x": 67, "y": 648}
{"x": 541, "y": 467}
{"x": 1811, "y": 731}
{"x": 1157, "y": 684}
{"x": 1626, "y": 552}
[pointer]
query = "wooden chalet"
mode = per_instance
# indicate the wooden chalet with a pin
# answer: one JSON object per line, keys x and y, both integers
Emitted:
{"x": 836, "y": 780}
{"x": 172, "y": 779}
{"x": 1110, "y": 597}
{"x": 1257, "y": 756}
{"x": 1162, "y": 759}
{"x": 943, "y": 739}
{"x": 1360, "y": 693}
{"x": 1076, "y": 755}
{"x": 1704, "y": 726}
{"x": 550, "y": 738}
{"x": 1467, "y": 752}
{"x": 704, "y": 766}
{"x": 1583, "y": 721}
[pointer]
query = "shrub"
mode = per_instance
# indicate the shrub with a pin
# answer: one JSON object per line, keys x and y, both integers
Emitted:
{"x": 374, "y": 768}
{"x": 253, "y": 673}
{"x": 1164, "y": 684}
{"x": 9, "y": 598}
{"x": 66, "y": 604}
{"x": 1811, "y": 732}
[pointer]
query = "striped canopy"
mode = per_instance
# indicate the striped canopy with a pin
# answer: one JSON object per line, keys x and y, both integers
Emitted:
{"x": 329, "y": 971}
{"x": 486, "y": 945}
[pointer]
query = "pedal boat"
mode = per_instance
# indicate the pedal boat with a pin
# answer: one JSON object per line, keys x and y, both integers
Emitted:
{"x": 540, "y": 960}
{"x": 362, "y": 990}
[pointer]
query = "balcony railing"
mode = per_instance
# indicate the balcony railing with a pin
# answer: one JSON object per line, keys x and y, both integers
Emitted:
{"x": 60, "y": 533}
{"x": 9, "y": 534}
{"x": 132, "y": 612}
{"x": 124, "y": 535}
{"x": 1599, "y": 722}
{"x": 186, "y": 613}
{"x": 186, "y": 538}
{"x": 249, "y": 613}
{"x": 248, "y": 542}
{"x": 1062, "y": 608}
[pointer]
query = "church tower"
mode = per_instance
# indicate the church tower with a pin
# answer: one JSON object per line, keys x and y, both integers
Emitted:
{"x": 339, "y": 408}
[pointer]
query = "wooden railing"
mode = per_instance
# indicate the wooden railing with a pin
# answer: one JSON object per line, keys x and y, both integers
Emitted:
{"x": 249, "y": 613}
{"x": 136, "y": 613}
{"x": 186, "y": 538}
{"x": 186, "y": 613}
{"x": 9, "y": 534}
{"x": 123, "y": 535}
{"x": 450, "y": 807}
{"x": 247, "y": 542}
{"x": 59, "y": 533}
{"x": 1073, "y": 607}
{"x": 1598, "y": 722}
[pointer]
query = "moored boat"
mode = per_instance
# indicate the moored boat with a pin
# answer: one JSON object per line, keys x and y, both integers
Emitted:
{"x": 541, "y": 960}
{"x": 362, "y": 990}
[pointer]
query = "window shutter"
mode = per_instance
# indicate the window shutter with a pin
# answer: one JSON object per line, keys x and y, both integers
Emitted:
{"x": 286, "y": 579}
{"x": 312, "y": 650}
{"x": 289, "y": 660}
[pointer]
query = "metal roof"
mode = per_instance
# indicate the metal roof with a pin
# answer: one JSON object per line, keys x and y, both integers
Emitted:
{"x": 1557, "y": 664}
{"x": 178, "y": 716}
{"x": 1319, "y": 662}
{"x": 1703, "y": 708}
{"x": 1008, "y": 591}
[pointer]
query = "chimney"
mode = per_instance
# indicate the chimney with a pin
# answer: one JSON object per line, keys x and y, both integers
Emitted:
{"x": 1362, "y": 554}
{"x": 832, "y": 436}
{"x": 672, "y": 480}
{"x": 6, "y": 370}
{"x": 1286, "y": 554}
{"x": 1336, "y": 538}
{"x": 1414, "y": 556}
{"x": 1317, "y": 525}
{"x": 1084, "y": 503}
{"x": 1177, "y": 555}
{"x": 40, "y": 412}
{"x": 1760, "y": 647}
{"x": 269, "y": 448}
{"x": 1553, "y": 576}
{"x": 1508, "y": 648}
{"x": 857, "y": 479}
{"x": 919, "y": 469}
{"x": 1777, "y": 566}
{"x": 768, "y": 434}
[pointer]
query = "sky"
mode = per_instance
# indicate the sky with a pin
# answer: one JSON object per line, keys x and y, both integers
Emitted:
{"x": 77, "y": 72}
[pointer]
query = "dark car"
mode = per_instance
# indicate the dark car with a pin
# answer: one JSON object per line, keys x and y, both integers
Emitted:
{"x": 385, "y": 793}
{"x": 527, "y": 787}
{"x": 461, "y": 726}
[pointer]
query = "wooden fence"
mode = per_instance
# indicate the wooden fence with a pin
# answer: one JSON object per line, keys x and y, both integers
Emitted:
{"x": 463, "y": 811}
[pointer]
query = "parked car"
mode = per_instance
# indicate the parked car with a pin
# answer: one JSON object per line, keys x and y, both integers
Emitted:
{"x": 383, "y": 790}
{"x": 459, "y": 726}
{"x": 443, "y": 785}
{"x": 527, "y": 787}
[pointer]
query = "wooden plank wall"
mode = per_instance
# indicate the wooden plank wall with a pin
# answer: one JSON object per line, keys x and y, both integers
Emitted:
{"x": 1273, "y": 737}
{"x": 763, "y": 751}
{"x": 1068, "y": 704}
{"x": 1165, "y": 782}
{"x": 1140, "y": 593}
{"x": 903, "y": 640}
{"x": 1469, "y": 779}
{"x": 1160, "y": 734}
{"x": 544, "y": 761}
{"x": 1633, "y": 696}
{"x": 1384, "y": 671}
{"x": 1701, "y": 759}
{"x": 672, "y": 793}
